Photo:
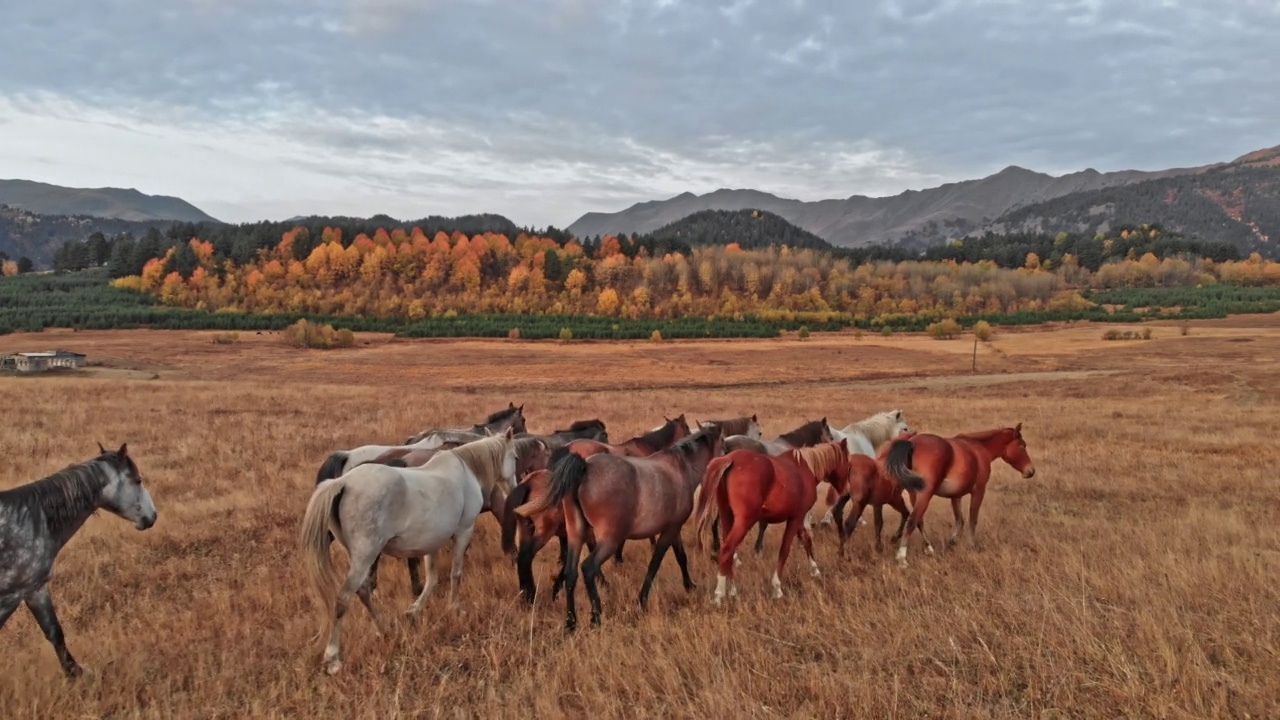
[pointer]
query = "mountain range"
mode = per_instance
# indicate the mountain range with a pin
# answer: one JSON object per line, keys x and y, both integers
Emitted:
{"x": 111, "y": 203}
{"x": 1237, "y": 199}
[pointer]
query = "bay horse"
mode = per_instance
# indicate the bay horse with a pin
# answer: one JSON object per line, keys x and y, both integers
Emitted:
{"x": 746, "y": 426}
{"x": 749, "y": 487}
{"x": 615, "y": 498}
{"x": 672, "y": 430}
{"x": 512, "y": 416}
{"x": 952, "y": 467}
{"x": 39, "y": 518}
{"x": 403, "y": 512}
{"x": 532, "y": 453}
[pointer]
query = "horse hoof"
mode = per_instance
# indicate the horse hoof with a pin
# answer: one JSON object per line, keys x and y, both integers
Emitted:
{"x": 78, "y": 672}
{"x": 332, "y": 667}
{"x": 777, "y": 593}
{"x": 815, "y": 571}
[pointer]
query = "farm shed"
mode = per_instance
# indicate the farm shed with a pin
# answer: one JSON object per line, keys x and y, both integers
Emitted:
{"x": 33, "y": 362}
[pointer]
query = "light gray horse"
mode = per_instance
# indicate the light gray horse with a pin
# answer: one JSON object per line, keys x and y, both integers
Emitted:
{"x": 403, "y": 512}
{"x": 37, "y": 520}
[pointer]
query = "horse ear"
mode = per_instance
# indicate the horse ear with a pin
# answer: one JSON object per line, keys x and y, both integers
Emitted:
{"x": 101, "y": 450}
{"x": 124, "y": 447}
{"x": 510, "y": 405}
{"x": 897, "y": 414}
{"x": 510, "y": 433}
{"x": 753, "y": 418}
{"x": 1018, "y": 428}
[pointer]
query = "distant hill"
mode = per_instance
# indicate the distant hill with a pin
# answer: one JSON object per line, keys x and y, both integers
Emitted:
{"x": 957, "y": 209}
{"x": 751, "y": 229}
{"x": 27, "y": 234}
{"x": 110, "y": 203}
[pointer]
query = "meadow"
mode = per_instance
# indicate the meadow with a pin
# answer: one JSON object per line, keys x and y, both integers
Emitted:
{"x": 1134, "y": 576}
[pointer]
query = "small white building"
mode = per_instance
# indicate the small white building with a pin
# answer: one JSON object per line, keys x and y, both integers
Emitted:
{"x": 33, "y": 362}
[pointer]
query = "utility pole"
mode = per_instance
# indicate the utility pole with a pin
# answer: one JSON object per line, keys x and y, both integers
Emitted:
{"x": 975, "y": 354}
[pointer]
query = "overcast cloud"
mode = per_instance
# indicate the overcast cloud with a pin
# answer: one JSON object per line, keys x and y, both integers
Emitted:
{"x": 544, "y": 109}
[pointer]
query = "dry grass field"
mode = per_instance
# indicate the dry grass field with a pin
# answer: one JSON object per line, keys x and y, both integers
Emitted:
{"x": 1134, "y": 576}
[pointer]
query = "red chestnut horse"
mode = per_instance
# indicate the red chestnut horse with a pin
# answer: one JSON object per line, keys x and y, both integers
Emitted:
{"x": 951, "y": 467}
{"x": 748, "y": 487}
{"x": 868, "y": 486}
{"x": 623, "y": 498}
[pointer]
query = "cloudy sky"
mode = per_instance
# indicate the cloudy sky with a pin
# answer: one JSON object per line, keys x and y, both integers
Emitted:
{"x": 544, "y": 109}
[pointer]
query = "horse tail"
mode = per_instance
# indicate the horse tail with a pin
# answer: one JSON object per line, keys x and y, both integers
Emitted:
{"x": 707, "y": 495}
{"x": 898, "y": 464}
{"x": 566, "y": 475}
{"x": 518, "y": 496}
{"x": 316, "y": 538}
{"x": 333, "y": 466}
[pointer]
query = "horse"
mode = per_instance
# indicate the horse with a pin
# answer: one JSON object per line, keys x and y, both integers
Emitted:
{"x": 403, "y": 512}
{"x": 749, "y": 487}
{"x": 340, "y": 461}
{"x": 39, "y": 518}
{"x": 951, "y": 467}
{"x": 581, "y": 429}
{"x": 865, "y": 438}
{"x": 497, "y": 423}
{"x": 868, "y": 486}
{"x": 746, "y": 426}
{"x": 812, "y": 432}
{"x": 532, "y": 453}
{"x": 670, "y": 431}
{"x": 616, "y": 498}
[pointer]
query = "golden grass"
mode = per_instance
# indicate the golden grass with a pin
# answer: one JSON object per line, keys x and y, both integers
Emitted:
{"x": 1133, "y": 577}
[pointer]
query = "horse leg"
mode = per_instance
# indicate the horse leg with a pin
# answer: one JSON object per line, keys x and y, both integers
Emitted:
{"x": 372, "y": 582}
{"x": 361, "y": 564}
{"x": 915, "y": 520}
{"x": 530, "y": 544}
{"x": 807, "y": 541}
{"x": 959, "y": 526}
{"x": 40, "y": 603}
{"x": 879, "y": 513}
{"x": 760, "y": 538}
{"x": 735, "y": 532}
{"x": 365, "y": 593}
{"x": 617, "y": 556}
{"x": 837, "y": 513}
{"x": 851, "y": 523}
{"x": 975, "y": 502}
{"x": 655, "y": 562}
{"x": 429, "y": 563}
{"x": 460, "y": 542}
{"x": 415, "y": 575}
{"x": 794, "y": 526}
{"x": 570, "y": 574}
{"x": 7, "y": 606}
{"x": 683, "y": 559}
{"x": 590, "y": 569}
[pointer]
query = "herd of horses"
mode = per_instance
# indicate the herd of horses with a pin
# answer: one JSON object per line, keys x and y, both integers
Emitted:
{"x": 410, "y": 500}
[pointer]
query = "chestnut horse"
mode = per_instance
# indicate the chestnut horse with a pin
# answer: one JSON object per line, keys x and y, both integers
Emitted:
{"x": 952, "y": 467}
{"x": 616, "y": 498}
{"x": 869, "y": 486}
{"x": 581, "y": 429}
{"x": 749, "y": 487}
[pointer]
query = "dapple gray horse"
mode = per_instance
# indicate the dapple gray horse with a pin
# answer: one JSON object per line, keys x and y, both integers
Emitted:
{"x": 37, "y": 520}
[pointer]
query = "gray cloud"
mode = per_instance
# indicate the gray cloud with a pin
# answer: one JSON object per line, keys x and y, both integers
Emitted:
{"x": 543, "y": 109}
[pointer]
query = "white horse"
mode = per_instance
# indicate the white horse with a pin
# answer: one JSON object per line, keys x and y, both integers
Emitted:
{"x": 340, "y": 462}
{"x": 865, "y": 438}
{"x": 402, "y": 512}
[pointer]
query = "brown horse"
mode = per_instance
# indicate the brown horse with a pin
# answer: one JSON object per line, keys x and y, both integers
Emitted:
{"x": 748, "y": 426}
{"x": 951, "y": 467}
{"x": 671, "y": 431}
{"x": 749, "y": 487}
{"x": 616, "y": 498}
{"x": 812, "y": 432}
{"x": 868, "y": 486}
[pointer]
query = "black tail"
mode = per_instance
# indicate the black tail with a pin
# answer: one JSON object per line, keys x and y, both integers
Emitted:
{"x": 566, "y": 475}
{"x": 515, "y": 499}
{"x": 899, "y": 465}
{"x": 332, "y": 466}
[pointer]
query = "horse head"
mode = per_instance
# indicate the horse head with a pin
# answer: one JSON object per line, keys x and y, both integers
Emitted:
{"x": 900, "y": 424}
{"x": 124, "y": 494}
{"x": 753, "y": 428}
{"x": 1015, "y": 453}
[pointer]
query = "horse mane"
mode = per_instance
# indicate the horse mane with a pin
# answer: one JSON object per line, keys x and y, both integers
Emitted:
{"x": 820, "y": 459}
{"x": 484, "y": 457}
{"x": 65, "y": 497}
{"x": 877, "y": 427}
{"x": 733, "y": 426}
{"x": 661, "y": 436}
{"x": 526, "y": 446}
{"x": 807, "y": 434}
{"x": 688, "y": 444}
